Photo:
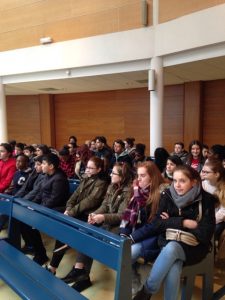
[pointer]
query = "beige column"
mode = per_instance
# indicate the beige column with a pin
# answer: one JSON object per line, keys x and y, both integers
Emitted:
{"x": 3, "y": 116}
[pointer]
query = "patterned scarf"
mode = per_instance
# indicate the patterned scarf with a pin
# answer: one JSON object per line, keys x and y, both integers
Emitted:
{"x": 131, "y": 215}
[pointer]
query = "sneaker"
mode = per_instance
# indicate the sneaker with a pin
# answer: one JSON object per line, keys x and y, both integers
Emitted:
{"x": 75, "y": 275}
{"x": 49, "y": 269}
{"x": 40, "y": 259}
{"x": 82, "y": 284}
{"x": 27, "y": 249}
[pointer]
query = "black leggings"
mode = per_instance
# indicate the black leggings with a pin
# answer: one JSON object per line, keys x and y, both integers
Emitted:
{"x": 32, "y": 237}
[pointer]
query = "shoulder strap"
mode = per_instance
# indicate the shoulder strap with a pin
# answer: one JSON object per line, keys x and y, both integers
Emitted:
{"x": 199, "y": 211}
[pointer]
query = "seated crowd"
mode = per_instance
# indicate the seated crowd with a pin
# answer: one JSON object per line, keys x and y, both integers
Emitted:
{"x": 146, "y": 199}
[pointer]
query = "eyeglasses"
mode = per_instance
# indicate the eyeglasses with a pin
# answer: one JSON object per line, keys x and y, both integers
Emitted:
{"x": 90, "y": 168}
{"x": 206, "y": 172}
{"x": 113, "y": 173}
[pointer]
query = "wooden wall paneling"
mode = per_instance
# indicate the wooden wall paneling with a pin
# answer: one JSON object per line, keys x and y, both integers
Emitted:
{"x": 47, "y": 119}
{"x": 23, "y": 118}
{"x": 82, "y": 26}
{"x": 34, "y": 14}
{"x": 6, "y": 4}
{"x": 213, "y": 112}
{"x": 130, "y": 16}
{"x": 119, "y": 114}
{"x": 21, "y": 17}
{"x": 173, "y": 111}
{"x": 192, "y": 111}
{"x": 20, "y": 38}
{"x": 87, "y": 7}
{"x": 23, "y": 25}
{"x": 172, "y": 9}
{"x": 114, "y": 114}
{"x": 137, "y": 116}
{"x": 96, "y": 19}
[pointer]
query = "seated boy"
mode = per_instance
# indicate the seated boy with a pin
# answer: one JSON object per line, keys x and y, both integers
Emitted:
{"x": 54, "y": 192}
{"x": 21, "y": 175}
{"x": 30, "y": 152}
{"x": 31, "y": 187}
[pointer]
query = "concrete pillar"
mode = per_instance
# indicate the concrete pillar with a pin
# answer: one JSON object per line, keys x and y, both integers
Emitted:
{"x": 3, "y": 116}
{"x": 156, "y": 103}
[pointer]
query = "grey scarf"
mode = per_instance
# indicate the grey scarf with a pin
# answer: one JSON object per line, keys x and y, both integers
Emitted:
{"x": 191, "y": 196}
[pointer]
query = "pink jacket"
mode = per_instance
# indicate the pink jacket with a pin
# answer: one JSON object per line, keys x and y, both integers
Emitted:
{"x": 7, "y": 170}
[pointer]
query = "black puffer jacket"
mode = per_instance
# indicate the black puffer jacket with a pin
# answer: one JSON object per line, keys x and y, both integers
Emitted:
{"x": 54, "y": 190}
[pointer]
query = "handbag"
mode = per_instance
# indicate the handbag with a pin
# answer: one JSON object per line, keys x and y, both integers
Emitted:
{"x": 181, "y": 236}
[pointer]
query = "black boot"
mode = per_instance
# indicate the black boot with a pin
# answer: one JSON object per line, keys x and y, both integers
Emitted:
{"x": 75, "y": 275}
{"x": 142, "y": 295}
{"x": 82, "y": 284}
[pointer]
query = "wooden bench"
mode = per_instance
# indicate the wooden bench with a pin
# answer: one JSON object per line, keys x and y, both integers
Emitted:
{"x": 31, "y": 281}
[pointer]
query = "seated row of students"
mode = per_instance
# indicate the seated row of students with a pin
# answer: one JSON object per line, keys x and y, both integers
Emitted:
{"x": 178, "y": 213}
{"x": 87, "y": 204}
{"x": 12, "y": 185}
{"x": 186, "y": 185}
{"x": 84, "y": 205}
{"x": 194, "y": 151}
{"x": 213, "y": 182}
{"x": 141, "y": 210}
{"x": 143, "y": 205}
{"x": 179, "y": 208}
{"x": 127, "y": 151}
{"x": 21, "y": 175}
{"x": 185, "y": 210}
{"x": 73, "y": 158}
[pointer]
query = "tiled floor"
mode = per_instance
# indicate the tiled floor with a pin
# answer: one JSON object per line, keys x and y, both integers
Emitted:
{"x": 103, "y": 279}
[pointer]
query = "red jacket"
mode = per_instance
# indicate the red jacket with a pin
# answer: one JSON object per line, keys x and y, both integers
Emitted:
{"x": 7, "y": 170}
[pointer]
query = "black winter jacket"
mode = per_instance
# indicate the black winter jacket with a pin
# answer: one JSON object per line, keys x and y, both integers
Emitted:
{"x": 203, "y": 232}
{"x": 54, "y": 190}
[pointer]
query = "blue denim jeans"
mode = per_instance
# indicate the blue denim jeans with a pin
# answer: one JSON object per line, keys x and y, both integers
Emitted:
{"x": 135, "y": 252}
{"x": 167, "y": 267}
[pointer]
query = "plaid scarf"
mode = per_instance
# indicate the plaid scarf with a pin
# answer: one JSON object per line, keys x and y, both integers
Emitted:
{"x": 131, "y": 215}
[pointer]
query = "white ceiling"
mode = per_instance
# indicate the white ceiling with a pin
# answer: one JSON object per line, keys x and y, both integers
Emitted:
{"x": 210, "y": 69}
